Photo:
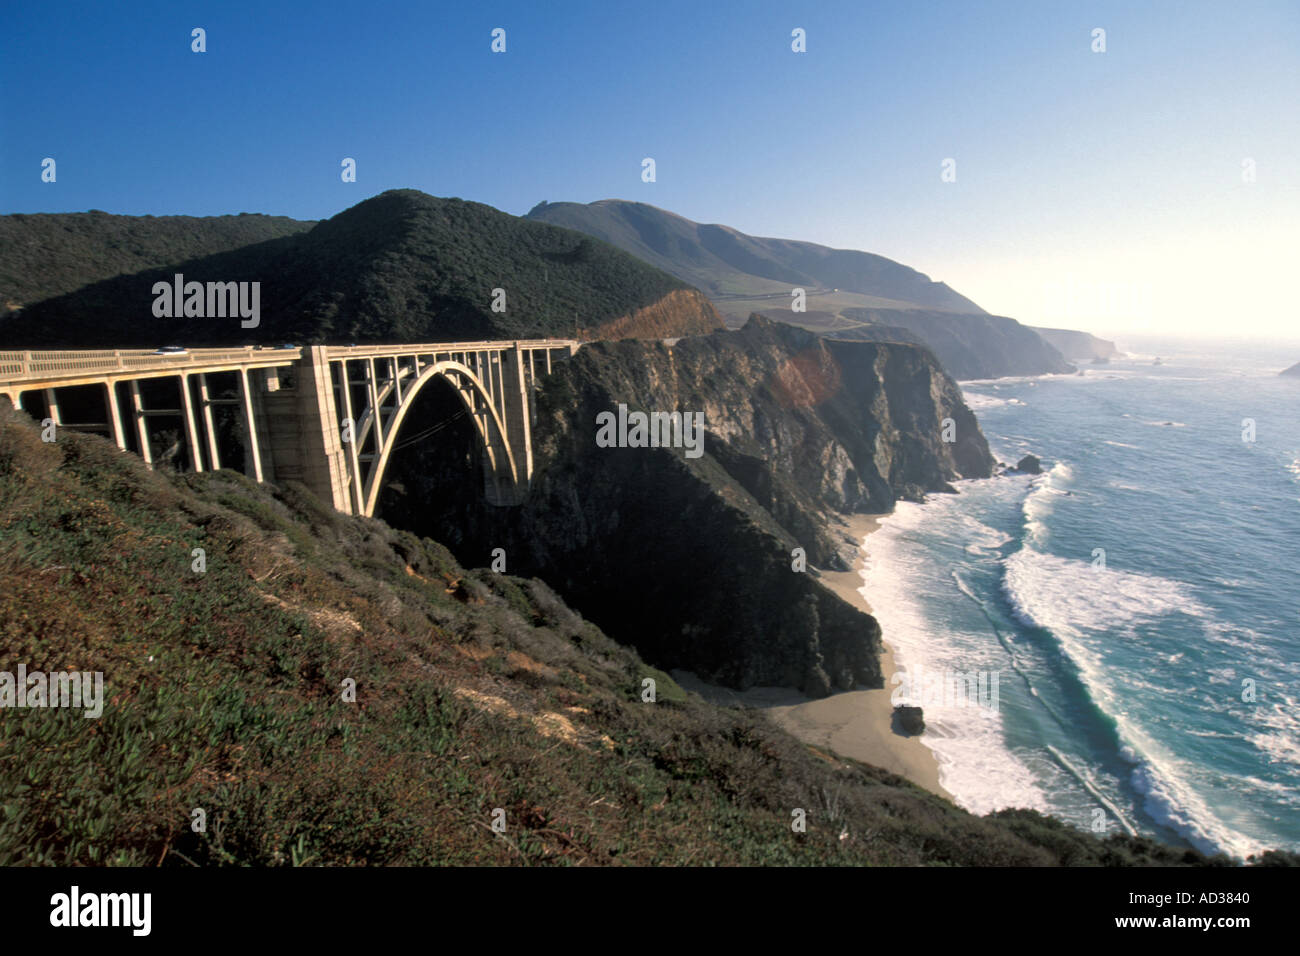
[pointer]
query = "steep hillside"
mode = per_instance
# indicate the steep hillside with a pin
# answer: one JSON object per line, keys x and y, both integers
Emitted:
{"x": 1292, "y": 372}
{"x": 725, "y": 262}
{"x": 690, "y": 558}
{"x": 849, "y": 294}
{"x": 52, "y": 254}
{"x": 1080, "y": 346}
{"x": 475, "y": 692}
{"x": 402, "y": 266}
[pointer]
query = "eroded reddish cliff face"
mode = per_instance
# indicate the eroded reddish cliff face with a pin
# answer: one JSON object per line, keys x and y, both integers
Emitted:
{"x": 679, "y": 313}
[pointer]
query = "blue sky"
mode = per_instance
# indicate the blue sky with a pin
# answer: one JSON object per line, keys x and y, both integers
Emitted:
{"x": 1100, "y": 190}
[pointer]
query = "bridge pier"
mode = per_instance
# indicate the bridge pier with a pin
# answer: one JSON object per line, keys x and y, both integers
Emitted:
{"x": 209, "y": 428}
{"x": 114, "y": 415}
{"x": 141, "y": 429}
{"x": 303, "y": 431}
{"x": 516, "y": 397}
{"x": 52, "y": 407}
{"x": 191, "y": 426}
{"x": 327, "y": 473}
{"x": 356, "y": 503}
{"x": 252, "y": 453}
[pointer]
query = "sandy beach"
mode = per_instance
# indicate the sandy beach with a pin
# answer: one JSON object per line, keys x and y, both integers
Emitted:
{"x": 855, "y": 723}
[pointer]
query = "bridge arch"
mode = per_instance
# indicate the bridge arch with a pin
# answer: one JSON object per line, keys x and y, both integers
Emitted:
{"x": 501, "y": 473}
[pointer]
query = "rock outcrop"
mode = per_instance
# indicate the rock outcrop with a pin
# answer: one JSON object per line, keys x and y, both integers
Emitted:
{"x": 909, "y": 720}
{"x": 1030, "y": 465}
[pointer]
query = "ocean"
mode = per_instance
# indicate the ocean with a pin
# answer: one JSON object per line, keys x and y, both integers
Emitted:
{"x": 1138, "y": 601}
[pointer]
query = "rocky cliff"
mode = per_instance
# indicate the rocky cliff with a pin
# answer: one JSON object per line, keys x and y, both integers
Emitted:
{"x": 692, "y": 559}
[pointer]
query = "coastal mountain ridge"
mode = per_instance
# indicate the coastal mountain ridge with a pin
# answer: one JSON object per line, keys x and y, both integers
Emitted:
{"x": 849, "y": 294}
{"x": 725, "y": 262}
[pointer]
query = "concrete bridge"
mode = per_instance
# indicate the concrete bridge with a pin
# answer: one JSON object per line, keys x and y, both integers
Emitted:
{"x": 328, "y": 416}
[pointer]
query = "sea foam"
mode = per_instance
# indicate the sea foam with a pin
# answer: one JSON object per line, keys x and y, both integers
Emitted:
{"x": 975, "y": 765}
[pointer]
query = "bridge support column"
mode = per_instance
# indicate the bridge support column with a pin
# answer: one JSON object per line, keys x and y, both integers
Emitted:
{"x": 141, "y": 426}
{"x": 114, "y": 414}
{"x": 191, "y": 426}
{"x": 252, "y": 454}
{"x": 321, "y": 454}
{"x": 52, "y": 406}
{"x": 375, "y": 411}
{"x": 214, "y": 457}
{"x": 516, "y": 412}
{"x": 354, "y": 465}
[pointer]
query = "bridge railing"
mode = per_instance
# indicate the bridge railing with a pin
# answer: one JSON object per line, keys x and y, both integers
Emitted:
{"x": 412, "y": 348}
{"x": 44, "y": 364}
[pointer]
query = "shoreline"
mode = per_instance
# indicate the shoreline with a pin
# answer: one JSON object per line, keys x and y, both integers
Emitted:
{"x": 854, "y": 723}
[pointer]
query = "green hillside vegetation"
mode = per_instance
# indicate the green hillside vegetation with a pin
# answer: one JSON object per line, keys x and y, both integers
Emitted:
{"x": 51, "y": 254}
{"x": 401, "y": 266}
{"x": 474, "y": 691}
